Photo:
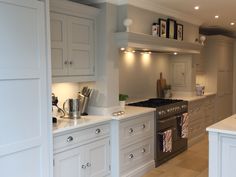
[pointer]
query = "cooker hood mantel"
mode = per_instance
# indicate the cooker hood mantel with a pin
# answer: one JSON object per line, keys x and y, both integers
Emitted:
{"x": 155, "y": 44}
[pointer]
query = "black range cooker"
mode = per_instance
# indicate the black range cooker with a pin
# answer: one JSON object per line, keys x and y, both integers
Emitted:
{"x": 169, "y": 139}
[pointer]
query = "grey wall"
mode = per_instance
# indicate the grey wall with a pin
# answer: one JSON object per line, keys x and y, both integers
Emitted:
{"x": 139, "y": 73}
{"x": 143, "y": 19}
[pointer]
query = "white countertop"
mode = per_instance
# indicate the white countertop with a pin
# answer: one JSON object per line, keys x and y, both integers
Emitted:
{"x": 131, "y": 111}
{"x": 227, "y": 126}
{"x": 69, "y": 124}
{"x": 189, "y": 97}
{"x": 84, "y": 121}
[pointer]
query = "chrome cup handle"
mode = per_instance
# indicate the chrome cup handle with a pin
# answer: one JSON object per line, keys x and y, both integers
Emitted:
{"x": 64, "y": 106}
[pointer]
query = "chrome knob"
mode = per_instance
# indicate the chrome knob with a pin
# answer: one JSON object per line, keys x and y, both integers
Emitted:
{"x": 71, "y": 62}
{"x": 65, "y": 62}
{"x": 88, "y": 164}
{"x": 97, "y": 131}
{"x": 83, "y": 166}
{"x": 143, "y": 150}
{"x": 143, "y": 126}
{"x": 69, "y": 139}
{"x": 131, "y": 130}
{"x": 131, "y": 156}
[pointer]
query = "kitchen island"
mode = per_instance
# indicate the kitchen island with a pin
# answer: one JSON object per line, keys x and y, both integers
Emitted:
{"x": 222, "y": 148}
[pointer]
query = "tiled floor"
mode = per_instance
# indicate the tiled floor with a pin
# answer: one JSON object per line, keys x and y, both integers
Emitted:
{"x": 191, "y": 163}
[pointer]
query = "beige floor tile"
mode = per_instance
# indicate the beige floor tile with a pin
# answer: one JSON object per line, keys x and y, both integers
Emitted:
{"x": 191, "y": 163}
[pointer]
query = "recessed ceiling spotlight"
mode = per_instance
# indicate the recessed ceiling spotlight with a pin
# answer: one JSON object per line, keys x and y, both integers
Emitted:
{"x": 133, "y": 51}
{"x": 217, "y": 16}
{"x": 196, "y": 7}
{"x": 122, "y": 49}
{"x": 232, "y": 23}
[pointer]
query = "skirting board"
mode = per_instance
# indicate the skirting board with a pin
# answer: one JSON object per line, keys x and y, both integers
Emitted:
{"x": 139, "y": 172}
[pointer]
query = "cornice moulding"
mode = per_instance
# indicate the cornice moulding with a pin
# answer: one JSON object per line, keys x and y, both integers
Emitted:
{"x": 153, "y": 6}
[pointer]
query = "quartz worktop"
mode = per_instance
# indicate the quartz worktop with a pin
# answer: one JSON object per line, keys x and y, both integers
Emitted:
{"x": 69, "y": 124}
{"x": 191, "y": 97}
{"x": 227, "y": 126}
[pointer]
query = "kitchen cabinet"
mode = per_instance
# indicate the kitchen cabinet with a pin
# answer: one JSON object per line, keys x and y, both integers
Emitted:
{"x": 196, "y": 120}
{"x": 218, "y": 53}
{"x": 133, "y": 146}
{"x": 83, "y": 153}
{"x": 181, "y": 73}
{"x": 73, "y": 40}
{"x": 199, "y": 62}
{"x": 201, "y": 115}
{"x": 222, "y": 149}
{"x": 25, "y": 129}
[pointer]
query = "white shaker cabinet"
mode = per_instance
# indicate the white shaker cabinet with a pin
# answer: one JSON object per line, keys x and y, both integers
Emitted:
{"x": 181, "y": 73}
{"x": 73, "y": 34}
{"x": 83, "y": 153}
{"x": 133, "y": 146}
{"x": 222, "y": 152}
{"x": 25, "y": 129}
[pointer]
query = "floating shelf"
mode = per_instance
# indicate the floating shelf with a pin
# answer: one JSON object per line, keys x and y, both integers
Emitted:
{"x": 156, "y": 44}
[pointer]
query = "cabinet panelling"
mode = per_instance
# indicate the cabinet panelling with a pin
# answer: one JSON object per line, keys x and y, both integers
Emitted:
{"x": 83, "y": 153}
{"x": 133, "y": 146}
{"x": 73, "y": 38}
{"x": 219, "y": 65}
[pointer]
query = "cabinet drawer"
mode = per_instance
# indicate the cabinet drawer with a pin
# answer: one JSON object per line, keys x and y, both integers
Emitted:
{"x": 136, "y": 129}
{"x": 136, "y": 155}
{"x": 80, "y": 136}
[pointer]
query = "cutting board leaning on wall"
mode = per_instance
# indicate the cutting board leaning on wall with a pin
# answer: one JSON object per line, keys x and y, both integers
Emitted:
{"x": 161, "y": 84}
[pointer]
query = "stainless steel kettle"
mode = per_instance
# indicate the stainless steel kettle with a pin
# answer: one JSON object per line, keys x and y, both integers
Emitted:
{"x": 72, "y": 108}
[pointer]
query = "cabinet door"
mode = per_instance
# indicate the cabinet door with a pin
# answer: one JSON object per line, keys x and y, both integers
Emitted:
{"x": 178, "y": 74}
{"x": 59, "y": 45}
{"x": 81, "y": 46}
{"x": 98, "y": 158}
{"x": 228, "y": 156}
{"x": 25, "y": 129}
{"x": 69, "y": 163}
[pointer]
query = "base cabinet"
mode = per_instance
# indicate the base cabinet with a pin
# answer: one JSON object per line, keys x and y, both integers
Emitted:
{"x": 222, "y": 155}
{"x": 83, "y": 153}
{"x": 132, "y": 143}
{"x": 90, "y": 160}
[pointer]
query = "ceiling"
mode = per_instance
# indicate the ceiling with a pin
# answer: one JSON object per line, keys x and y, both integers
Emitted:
{"x": 207, "y": 11}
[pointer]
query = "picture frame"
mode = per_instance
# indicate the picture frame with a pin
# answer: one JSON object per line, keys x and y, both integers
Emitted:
{"x": 171, "y": 29}
{"x": 180, "y": 32}
{"x": 162, "y": 28}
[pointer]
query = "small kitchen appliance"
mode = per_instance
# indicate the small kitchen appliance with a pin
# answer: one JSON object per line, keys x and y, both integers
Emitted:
{"x": 72, "y": 108}
{"x": 168, "y": 123}
{"x": 200, "y": 90}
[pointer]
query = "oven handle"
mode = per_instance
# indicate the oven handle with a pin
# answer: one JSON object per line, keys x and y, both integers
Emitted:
{"x": 169, "y": 119}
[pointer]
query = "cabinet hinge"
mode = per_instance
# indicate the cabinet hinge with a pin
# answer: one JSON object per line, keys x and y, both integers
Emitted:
{"x": 53, "y": 162}
{"x": 109, "y": 142}
{"x": 110, "y": 167}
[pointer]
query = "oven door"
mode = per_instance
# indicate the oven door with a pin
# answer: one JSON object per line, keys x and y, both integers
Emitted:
{"x": 178, "y": 144}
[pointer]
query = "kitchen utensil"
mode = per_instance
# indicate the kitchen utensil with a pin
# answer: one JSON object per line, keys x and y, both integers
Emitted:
{"x": 161, "y": 84}
{"x": 72, "y": 108}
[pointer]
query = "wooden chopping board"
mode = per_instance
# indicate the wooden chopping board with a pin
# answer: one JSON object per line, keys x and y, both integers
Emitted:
{"x": 161, "y": 84}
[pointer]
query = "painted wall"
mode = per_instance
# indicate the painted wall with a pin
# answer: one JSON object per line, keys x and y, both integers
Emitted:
{"x": 143, "y": 19}
{"x": 139, "y": 73}
{"x": 69, "y": 90}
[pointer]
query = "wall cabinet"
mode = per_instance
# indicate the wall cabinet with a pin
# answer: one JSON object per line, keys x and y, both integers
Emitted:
{"x": 133, "y": 146}
{"x": 181, "y": 73}
{"x": 78, "y": 157}
{"x": 73, "y": 43}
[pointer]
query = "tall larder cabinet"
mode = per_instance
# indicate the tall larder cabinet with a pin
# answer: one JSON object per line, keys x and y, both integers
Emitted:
{"x": 25, "y": 129}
